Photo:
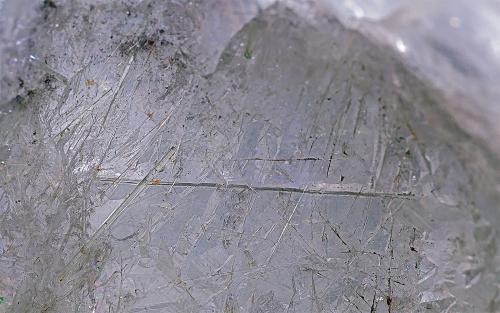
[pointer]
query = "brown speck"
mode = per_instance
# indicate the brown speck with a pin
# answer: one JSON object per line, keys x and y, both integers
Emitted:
{"x": 156, "y": 181}
{"x": 150, "y": 114}
{"x": 412, "y": 132}
{"x": 168, "y": 61}
{"x": 89, "y": 82}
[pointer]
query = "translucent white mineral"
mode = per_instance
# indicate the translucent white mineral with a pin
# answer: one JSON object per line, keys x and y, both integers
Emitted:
{"x": 216, "y": 156}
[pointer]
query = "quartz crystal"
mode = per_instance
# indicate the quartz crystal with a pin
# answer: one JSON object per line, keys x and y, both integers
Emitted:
{"x": 230, "y": 156}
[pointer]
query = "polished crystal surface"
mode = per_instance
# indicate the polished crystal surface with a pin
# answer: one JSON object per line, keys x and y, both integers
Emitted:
{"x": 212, "y": 156}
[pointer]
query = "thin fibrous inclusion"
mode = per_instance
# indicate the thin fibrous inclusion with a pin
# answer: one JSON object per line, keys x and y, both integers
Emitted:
{"x": 272, "y": 165}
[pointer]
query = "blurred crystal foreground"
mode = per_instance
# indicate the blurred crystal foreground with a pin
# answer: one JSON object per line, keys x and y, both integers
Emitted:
{"x": 190, "y": 157}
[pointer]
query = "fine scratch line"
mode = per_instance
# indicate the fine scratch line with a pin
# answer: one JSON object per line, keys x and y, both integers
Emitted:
{"x": 275, "y": 246}
{"x": 309, "y": 190}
